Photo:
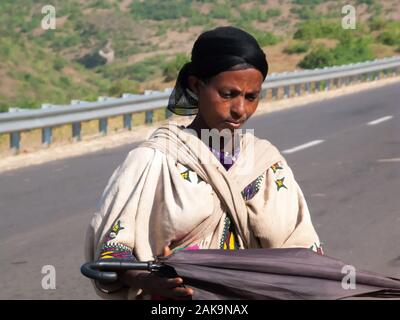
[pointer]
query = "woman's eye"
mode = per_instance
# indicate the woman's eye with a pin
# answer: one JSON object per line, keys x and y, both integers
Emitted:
{"x": 252, "y": 97}
{"x": 226, "y": 95}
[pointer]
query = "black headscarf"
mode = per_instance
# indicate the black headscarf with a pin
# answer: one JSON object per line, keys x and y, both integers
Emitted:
{"x": 213, "y": 52}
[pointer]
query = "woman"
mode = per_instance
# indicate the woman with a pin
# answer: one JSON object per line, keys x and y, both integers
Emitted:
{"x": 206, "y": 186}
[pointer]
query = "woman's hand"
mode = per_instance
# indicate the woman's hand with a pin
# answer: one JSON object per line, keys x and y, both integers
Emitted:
{"x": 154, "y": 284}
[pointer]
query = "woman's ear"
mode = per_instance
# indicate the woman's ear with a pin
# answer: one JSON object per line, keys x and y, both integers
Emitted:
{"x": 193, "y": 83}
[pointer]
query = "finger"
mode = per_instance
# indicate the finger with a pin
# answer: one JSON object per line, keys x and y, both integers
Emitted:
{"x": 167, "y": 251}
{"x": 182, "y": 292}
{"x": 173, "y": 282}
{"x": 176, "y": 292}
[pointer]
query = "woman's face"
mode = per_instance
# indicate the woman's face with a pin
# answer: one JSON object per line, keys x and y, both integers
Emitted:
{"x": 229, "y": 98}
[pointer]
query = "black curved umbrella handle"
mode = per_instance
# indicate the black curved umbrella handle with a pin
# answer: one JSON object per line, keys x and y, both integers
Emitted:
{"x": 90, "y": 270}
{"x": 104, "y": 270}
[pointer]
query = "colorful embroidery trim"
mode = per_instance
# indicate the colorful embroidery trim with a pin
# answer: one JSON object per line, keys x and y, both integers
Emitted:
{"x": 251, "y": 190}
{"x": 279, "y": 184}
{"x": 276, "y": 167}
{"x": 188, "y": 247}
{"x": 189, "y": 175}
{"x": 115, "y": 251}
{"x": 185, "y": 175}
{"x": 317, "y": 248}
{"x": 229, "y": 238}
{"x": 116, "y": 229}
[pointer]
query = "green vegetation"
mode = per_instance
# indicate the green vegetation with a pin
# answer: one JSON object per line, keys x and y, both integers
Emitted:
{"x": 318, "y": 29}
{"x": 92, "y": 60}
{"x": 350, "y": 49}
{"x": 390, "y": 34}
{"x": 389, "y": 38}
{"x": 143, "y": 70}
{"x": 123, "y": 86}
{"x": 306, "y": 9}
{"x": 305, "y": 13}
{"x": 264, "y": 38}
{"x": 171, "y": 68}
{"x": 307, "y": 2}
{"x": 376, "y": 23}
{"x": 221, "y": 11}
{"x": 161, "y": 10}
{"x": 296, "y": 48}
{"x": 367, "y": 2}
{"x": 257, "y": 14}
{"x": 318, "y": 58}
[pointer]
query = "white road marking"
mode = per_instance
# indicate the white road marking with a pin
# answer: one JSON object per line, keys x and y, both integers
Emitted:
{"x": 389, "y": 160}
{"x": 374, "y": 122}
{"x": 318, "y": 195}
{"x": 303, "y": 146}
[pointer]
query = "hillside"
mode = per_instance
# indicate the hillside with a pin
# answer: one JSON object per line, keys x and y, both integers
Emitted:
{"x": 147, "y": 41}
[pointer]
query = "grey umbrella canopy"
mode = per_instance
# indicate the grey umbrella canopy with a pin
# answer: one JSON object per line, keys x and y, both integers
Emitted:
{"x": 295, "y": 273}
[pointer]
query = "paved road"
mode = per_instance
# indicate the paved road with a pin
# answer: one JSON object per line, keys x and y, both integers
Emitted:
{"x": 350, "y": 177}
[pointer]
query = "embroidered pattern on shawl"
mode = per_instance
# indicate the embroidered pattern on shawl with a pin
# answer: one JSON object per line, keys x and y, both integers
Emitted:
{"x": 112, "y": 250}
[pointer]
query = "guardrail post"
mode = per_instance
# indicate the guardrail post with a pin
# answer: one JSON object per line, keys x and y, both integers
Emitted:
{"x": 263, "y": 93}
{"x": 76, "y": 131}
{"x": 76, "y": 126}
{"x": 15, "y": 138}
{"x": 149, "y": 117}
{"x": 46, "y": 132}
{"x": 286, "y": 91}
{"x": 327, "y": 85}
{"x": 103, "y": 125}
{"x": 46, "y": 136}
{"x": 274, "y": 93}
{"x": 297, "y": 88}
{"x": 307, "y": 85}
{"x": 103, "y": 121}
{"x": 128, "y": 121}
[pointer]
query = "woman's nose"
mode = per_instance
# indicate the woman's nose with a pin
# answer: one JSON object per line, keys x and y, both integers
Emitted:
{"x": 238, "y": 109}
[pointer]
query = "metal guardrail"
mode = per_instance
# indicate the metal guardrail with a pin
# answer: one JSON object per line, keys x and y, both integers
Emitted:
{"x": 19, "y": 120}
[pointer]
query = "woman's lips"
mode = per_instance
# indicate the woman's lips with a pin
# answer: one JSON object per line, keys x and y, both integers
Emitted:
{"x": 233, "y": 125}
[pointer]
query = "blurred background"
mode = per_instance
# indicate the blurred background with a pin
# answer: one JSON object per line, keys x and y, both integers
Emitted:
{"x": 344, "y": 151}
{"x": 144, "y": 43}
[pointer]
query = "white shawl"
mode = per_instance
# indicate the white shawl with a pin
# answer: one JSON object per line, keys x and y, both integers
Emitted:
{"x": 156, "y": 207}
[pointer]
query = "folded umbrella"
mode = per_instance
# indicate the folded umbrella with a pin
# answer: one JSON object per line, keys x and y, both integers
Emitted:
{"x": 295, "y": 273}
